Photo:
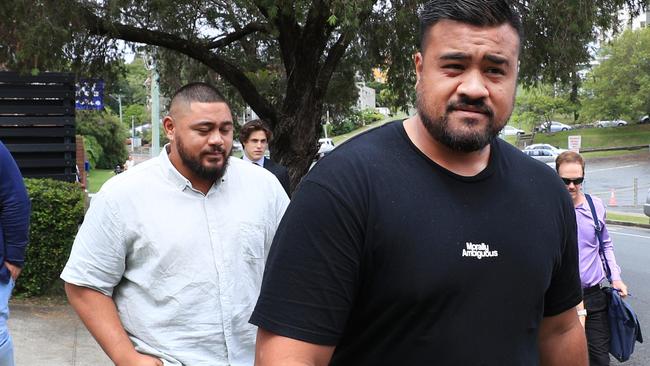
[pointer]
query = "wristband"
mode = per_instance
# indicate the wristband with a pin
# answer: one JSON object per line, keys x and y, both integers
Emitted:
{"x": 582, "y": 312}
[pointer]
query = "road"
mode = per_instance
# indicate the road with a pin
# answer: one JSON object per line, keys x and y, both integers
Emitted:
{"x": 606, "y": 174}
{"x": 632, "y": 249}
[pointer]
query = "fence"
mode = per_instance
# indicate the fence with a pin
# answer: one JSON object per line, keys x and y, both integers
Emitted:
{"x": 37, "y": 123}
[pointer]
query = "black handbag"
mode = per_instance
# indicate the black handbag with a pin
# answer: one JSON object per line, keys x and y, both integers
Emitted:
{"x": 624, "y": 327}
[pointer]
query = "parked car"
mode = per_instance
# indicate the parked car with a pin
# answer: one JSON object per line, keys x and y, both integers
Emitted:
{"x": 645, "y": 119}
{"x": 553, "y": 126}
{"x": 543, "y": 155}
{"x": 511, "y": 131}
{"x": 550, "y": 147}
{"x": 612, "y": 123}
{"x": 646, "y": 206}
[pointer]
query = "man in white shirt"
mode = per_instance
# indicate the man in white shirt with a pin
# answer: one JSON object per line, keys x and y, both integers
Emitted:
{"x": 167, "y": 266}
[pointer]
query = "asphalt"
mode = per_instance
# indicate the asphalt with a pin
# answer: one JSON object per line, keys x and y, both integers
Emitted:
{"x": 52, "y": 334}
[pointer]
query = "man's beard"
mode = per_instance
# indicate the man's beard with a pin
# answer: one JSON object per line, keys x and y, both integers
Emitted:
{"x": 440, "y": 130}
{"x": 193, "y": 162}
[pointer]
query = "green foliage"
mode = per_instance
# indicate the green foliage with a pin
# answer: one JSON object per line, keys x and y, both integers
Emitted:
{"x": 620, "y": 86}
{"x": 136, "y": 112}
{"x": 108, "y": 132}
{"x": 94, "y": 151}
{"x": 370, "y": 115}
{"x": 537, "y": 104}
{"x": 57, "y": 210}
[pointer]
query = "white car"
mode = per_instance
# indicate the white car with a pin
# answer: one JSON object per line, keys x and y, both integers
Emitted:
{"x": 554, "y": 126}
{"x": 555, "y": 150}
{"x": 612, "y": 123}
{"x": 511, "y": 131}
{"x": 543, "y": 155}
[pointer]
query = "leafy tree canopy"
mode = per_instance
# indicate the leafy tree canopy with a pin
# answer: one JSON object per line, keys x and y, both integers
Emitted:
{"x": 619, "y": 87}
{"x": 279, "y": 56}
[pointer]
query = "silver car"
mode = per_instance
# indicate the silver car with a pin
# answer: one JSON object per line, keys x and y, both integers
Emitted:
{"x": 543, "y": 155}
{"x": 612, "y": 123}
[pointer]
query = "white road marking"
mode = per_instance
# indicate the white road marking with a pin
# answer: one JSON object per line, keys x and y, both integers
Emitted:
{"x": 626, "y": 234}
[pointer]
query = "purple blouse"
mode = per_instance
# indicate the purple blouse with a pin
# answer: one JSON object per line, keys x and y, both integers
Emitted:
{"x": 591, "y": 267}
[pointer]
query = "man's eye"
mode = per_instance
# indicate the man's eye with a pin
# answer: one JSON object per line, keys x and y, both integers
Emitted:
{"x": 453, "y": 66}
{"x": 495, "y": 70}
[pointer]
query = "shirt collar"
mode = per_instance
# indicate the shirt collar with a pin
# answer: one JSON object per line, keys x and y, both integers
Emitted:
{"x": 259, "y": 162}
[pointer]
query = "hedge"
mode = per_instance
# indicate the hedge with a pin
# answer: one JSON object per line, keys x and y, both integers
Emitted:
{"x": 57, "y": 211}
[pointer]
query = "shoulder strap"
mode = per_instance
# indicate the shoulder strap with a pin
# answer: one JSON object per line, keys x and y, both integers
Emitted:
{"x": 599, "y": 235}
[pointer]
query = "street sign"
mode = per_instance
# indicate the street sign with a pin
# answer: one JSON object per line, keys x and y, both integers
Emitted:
{"x": 575, "y": 143}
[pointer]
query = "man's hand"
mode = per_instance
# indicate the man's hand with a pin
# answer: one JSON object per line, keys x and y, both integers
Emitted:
{"x": 13, "y": 270}
{"x": 138, "y": 359}
{"x": 619, "y": 285}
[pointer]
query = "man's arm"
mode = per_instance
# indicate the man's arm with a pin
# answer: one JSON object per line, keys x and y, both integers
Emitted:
{"x": 272, "y": 349}
{"x": 99, "y": 315}
{"x": 562, "y": 340}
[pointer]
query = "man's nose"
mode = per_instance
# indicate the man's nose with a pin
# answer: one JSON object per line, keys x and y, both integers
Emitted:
{"x": 215, "y": 138}
{"x": 473, "y": 85}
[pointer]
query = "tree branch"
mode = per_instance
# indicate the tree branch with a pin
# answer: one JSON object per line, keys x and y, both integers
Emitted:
{"x": 237, "y": 35}
{"x": 196, "y": 50}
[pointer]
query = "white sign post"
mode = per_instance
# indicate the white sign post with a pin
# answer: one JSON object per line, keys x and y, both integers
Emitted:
{"x": 575, "y": 143}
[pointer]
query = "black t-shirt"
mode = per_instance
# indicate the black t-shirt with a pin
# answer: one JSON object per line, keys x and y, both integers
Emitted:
{"x": 398, "y": 261}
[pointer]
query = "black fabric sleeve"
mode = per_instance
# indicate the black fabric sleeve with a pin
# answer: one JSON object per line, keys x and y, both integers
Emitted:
{"x": 565, "y": 290}
{"x": 312, "y": 272}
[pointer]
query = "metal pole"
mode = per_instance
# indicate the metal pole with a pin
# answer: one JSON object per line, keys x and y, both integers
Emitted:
{"x": 132, "y": 134}
{"x": 155, "y": 112}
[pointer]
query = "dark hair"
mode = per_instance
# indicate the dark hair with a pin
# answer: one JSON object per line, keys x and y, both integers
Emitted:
{"x": 476, "y": 12}
{"x": 569, "y": 157}
{"x": 251, "y": 126}
{"x": 196, "y": 92}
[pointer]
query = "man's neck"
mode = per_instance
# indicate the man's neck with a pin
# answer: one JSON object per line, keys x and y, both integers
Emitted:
{"x": 465, "y": 164}
{"x": 259, "y": 161}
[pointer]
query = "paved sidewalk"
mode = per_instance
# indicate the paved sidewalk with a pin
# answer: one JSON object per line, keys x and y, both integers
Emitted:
{"x": 46, "y": 335}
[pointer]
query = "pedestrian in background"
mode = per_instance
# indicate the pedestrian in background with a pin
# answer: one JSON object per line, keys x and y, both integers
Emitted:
{"x": 168, "y": 262}
{"x": 418, "y": 242}
{"x": 15, "y": 209}
{"x": 254, "y": 137}
{"x": 593, "y": 310}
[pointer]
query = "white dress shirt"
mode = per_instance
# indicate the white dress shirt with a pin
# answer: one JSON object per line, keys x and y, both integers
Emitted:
{"x": 183, "y": 268}
{"x": 259, "y": 162}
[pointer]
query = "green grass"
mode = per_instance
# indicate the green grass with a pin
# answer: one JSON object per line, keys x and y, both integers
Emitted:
{"x": 636, "y": 219}
{"x": 342, "y": 138}
{"x": 600, "y": 137}
{"x": 97, "y": 177}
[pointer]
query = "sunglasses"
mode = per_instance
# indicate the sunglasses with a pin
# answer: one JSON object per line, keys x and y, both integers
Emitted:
{"x": 575, "y": 181}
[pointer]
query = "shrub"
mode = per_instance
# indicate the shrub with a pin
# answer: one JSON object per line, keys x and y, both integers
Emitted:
{"x": 57, "y": 210}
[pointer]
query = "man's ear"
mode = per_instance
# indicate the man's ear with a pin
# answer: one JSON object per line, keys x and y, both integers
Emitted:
{"x": 168, "y": 125}
{"x": 418, "y": 61}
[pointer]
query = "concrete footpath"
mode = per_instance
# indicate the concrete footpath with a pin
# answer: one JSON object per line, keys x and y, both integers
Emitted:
{"x": 52, "y": 335}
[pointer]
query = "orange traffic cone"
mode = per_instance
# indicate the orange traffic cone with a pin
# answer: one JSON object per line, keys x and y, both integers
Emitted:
{"x": 612, "y": 198}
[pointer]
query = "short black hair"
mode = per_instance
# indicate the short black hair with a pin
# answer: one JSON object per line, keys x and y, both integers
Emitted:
{"x": 196, "y": 92}
{"x": 476, "y": 12}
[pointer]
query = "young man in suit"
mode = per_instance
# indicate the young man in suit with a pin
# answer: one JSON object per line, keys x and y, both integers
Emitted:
{"x": 254, "y": 137}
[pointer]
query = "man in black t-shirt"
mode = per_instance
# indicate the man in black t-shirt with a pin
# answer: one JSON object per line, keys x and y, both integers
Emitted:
{"x": 420, "y": 242}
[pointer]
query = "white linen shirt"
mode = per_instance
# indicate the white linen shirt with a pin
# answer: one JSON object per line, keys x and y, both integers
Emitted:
{"x": 183, "y": 268}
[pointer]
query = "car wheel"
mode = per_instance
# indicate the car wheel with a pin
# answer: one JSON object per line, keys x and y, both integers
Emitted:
{"x": 565, "y": 129}
{"x": 600, "y": 126}
{"x": 620, "y": 124}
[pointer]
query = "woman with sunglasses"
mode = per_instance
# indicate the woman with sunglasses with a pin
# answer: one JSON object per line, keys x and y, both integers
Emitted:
{"x": 593, "y": 310}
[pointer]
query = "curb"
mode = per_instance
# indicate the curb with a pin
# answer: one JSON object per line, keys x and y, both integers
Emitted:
{"x": 624, "y": 223}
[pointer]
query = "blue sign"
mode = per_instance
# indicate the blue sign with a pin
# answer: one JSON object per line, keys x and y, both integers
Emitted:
{"x": 89, "y": 94}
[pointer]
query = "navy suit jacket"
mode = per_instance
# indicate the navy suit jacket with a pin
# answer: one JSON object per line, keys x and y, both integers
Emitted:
{"x": 280, "y": 172}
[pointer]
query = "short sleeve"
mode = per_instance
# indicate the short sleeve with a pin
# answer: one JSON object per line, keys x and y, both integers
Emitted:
{"x": 565, "y": 290}
{"x": 312, "y": 272}
{"x": 98, "y": 255}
